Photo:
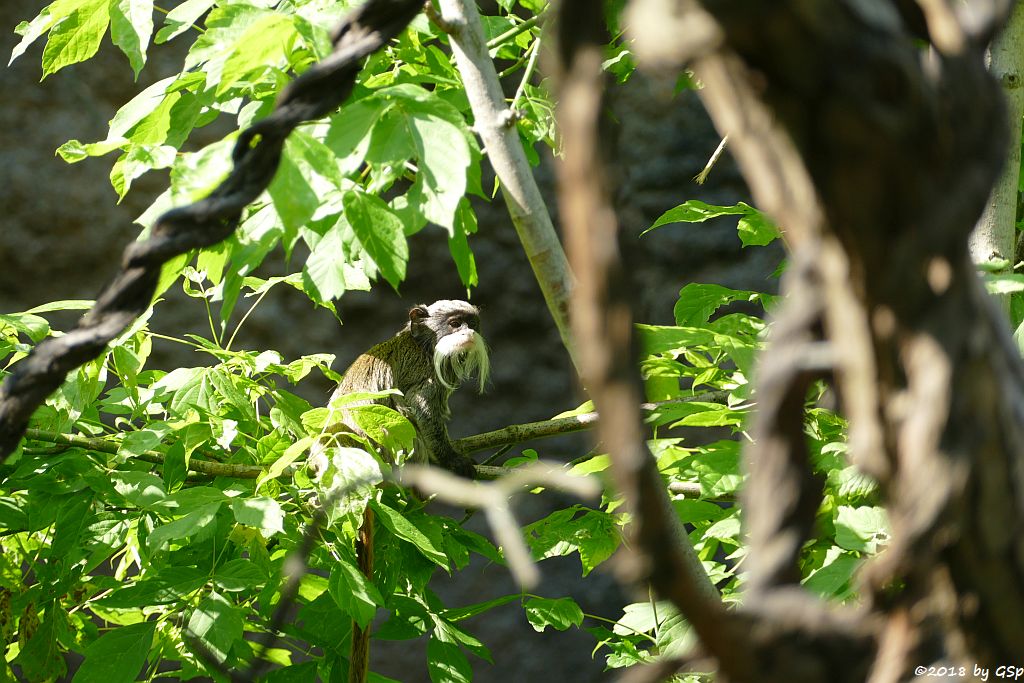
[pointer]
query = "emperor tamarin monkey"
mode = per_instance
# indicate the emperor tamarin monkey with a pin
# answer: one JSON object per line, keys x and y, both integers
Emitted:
{"x": 437, "y": 350}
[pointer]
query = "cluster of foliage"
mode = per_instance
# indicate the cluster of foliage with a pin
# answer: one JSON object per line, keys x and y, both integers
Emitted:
{"x": 146, "y": 521}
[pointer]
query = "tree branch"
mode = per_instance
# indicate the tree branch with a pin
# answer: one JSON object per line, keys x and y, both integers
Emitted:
{"x": 602, "y": 322}
{"x": 527, "y": 431}
{"x": 495, "y": 125}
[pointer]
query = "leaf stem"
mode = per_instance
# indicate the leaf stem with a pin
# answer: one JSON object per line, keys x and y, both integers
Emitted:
{"x": 515, "y": 31}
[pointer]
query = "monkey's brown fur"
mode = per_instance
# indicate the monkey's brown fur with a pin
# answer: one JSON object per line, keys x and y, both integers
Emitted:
{"x": 437, "y": 350}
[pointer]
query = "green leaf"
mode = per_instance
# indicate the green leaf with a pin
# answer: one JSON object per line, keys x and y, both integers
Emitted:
{"x": 754, "y": 227}
{"x": 181, "y": 18}
{"x": 444, "y": 159}
{"x": 657, "y": 340}
{"x": 296, "y": 673}
{"x": 692, "y": 511}
{"x": 643, "y": 617}
{"x": 326, "y": 275}
{"x": 141, "y": 489}
{"x": 136, "y": 161}
{"x": 218, "y": 624}
{"x": 718, "y": 468}
{"x": 695, "y": 211}
{"x": 446, "y": 663}
{"x": 461, "y": 613}
{"x": 559, "y": 613}
{"x": 353, "y": 592}
{"x": 450, "y": 633}
{"x": 1003, "y": 283}
{"x": 290, "y": 455}
{"x": 406, "y": 530}
{"x": 64, "y": 305}
{"x": 74, "y": 151}
{"x": 837, "y": 571}
{"x": 349, "y": 133}
{"x": 118, "y": 655}
{"x": 380, "y": 233}
{"x": 238, "y": 575}
{"x": 77, "y": 37}
{"x": 12, "y": 517}
{"x": 32, "y": 326}
{"x": 170, "y": 585}
{"x": 141, "y": 441}
{"x": 131, "y": 25}
{"x": 698, "y": 302}
{"x": 198, "y": 392}
{"x": 294, "y": 199}
{"x": 593, "y": 534}
{"x": 189, "y": 525}
{"x": 725, "y": 529}
{"x": 74, "y": 517}
{"x": 458, "y": 244}
{"x": 40, "y": 658}
{"x": 261, "y": 513}
{"x": 262, "y": 45}
{"x": 755, "y": 230}
{"x": 384, "y": 425}
{"x": 31, "y": 31}
{"x": 862, "y": 528}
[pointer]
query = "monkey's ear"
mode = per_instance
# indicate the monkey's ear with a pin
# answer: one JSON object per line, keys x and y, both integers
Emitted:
{"x": 418, "y": 313}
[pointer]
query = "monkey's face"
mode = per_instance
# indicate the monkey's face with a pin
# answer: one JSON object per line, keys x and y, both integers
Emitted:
{"x": 459, "y": 349}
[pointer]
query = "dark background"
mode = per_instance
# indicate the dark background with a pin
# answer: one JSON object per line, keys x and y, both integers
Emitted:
{"x": 61, "y": 235}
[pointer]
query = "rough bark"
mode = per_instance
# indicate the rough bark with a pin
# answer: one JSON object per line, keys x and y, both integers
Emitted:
{"x": 877, "y": 154}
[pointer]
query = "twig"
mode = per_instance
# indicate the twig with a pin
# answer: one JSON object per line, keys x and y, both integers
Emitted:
{"x": 531, "y": 64}
{"x": 516, "y": 30}
{"x": 703, "y": 175}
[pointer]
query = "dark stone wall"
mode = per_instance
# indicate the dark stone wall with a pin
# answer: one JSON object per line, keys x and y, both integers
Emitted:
{"x": 61, "y": 235}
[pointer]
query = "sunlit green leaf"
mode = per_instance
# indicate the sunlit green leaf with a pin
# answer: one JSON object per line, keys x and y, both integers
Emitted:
{"x": 131, "y": 25}
{"x": 353, "y": 592}
{"x": 77, "y": 37}
{"x": 560, "y": 613}
{"x": 217, "y": 624}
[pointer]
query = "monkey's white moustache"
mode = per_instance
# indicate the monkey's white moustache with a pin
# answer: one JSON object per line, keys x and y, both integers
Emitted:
{"x": 458, "y": 356}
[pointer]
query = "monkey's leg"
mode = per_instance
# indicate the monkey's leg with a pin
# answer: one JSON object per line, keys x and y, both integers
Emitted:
{"x": 359, "y": 659}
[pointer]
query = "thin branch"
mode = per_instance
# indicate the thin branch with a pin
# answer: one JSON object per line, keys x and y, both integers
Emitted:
{"x": 527, "y": 431}
{"x": 703, "y": 175}
{"x": 216, "y": 469}
{"x": 531, "y": 64}
{"x": 516, "y": 30}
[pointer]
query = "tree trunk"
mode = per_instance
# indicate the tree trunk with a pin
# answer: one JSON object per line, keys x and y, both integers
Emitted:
{"x": 874, "y": 133}
{"x": 993, "y": 240}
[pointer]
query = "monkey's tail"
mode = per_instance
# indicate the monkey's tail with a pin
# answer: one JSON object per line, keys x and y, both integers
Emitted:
{"x": 359, "y": 659}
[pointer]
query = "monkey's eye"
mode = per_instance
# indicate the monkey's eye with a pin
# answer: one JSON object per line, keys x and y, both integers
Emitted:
{"x": 456, "y": 323}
